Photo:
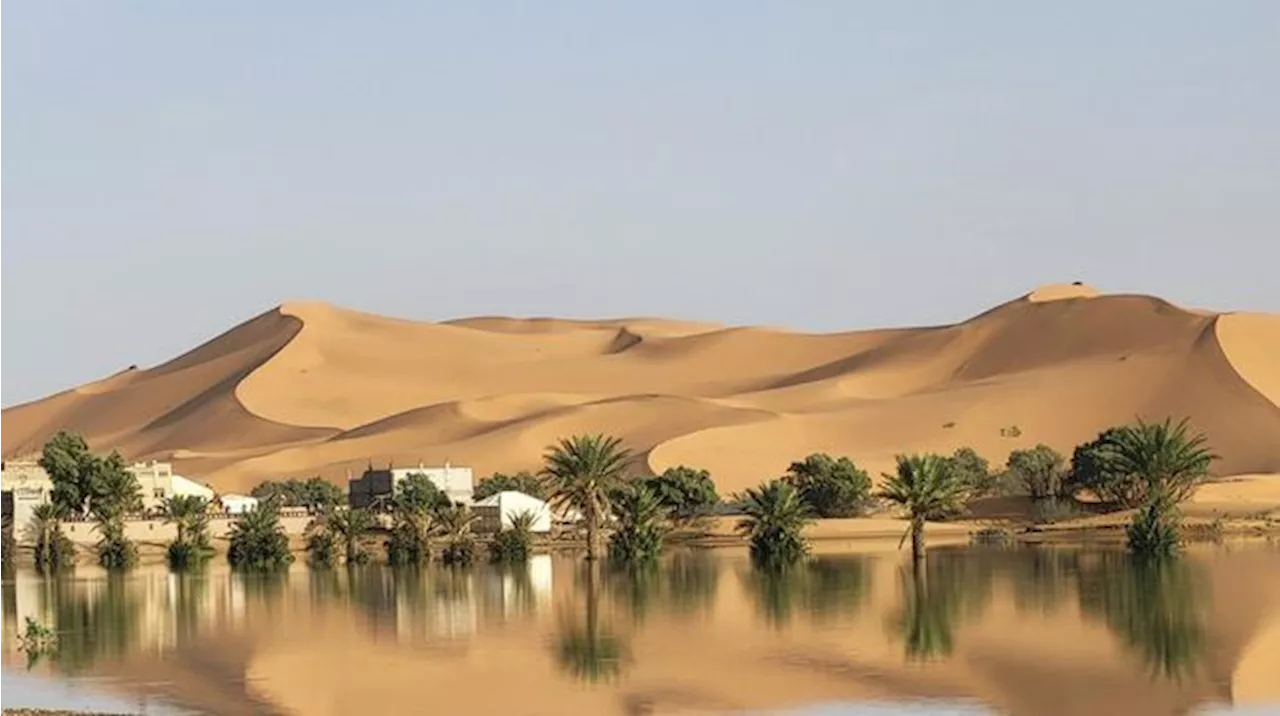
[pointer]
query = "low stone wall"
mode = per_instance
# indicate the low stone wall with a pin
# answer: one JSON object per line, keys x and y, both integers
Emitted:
{"x": 153, "y": 530}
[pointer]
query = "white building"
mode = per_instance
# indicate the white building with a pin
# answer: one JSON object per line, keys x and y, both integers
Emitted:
{"x": 377, "y": 486}
{"x": 497, "y": 511}
{"x": 157, "y": 482}
{"x": 239, "y": 504}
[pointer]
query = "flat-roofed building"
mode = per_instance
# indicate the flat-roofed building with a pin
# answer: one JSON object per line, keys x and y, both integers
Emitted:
{"x": 375, "y": 487}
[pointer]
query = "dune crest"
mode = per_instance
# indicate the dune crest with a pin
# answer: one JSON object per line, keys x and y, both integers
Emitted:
{"x": 311, "y": 388}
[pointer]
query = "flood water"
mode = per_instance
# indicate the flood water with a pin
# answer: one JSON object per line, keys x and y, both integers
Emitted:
{"x": 980, "y": 630}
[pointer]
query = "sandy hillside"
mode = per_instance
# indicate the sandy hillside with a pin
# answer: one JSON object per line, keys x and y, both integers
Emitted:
{"x": 309, "y": 388}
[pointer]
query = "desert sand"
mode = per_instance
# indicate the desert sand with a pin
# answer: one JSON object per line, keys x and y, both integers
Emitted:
{"x": 313, "y": 389}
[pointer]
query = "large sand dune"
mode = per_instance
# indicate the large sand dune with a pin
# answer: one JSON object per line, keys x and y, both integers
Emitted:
{"x": 310, "y": 388}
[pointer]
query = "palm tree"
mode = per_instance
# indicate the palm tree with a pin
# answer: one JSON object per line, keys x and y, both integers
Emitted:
{"x": 513, "y": 544}
{"x": 454, "y": 524}
{"x": 348, "y": 527}
{"x": 774, "y": 522}
{"x": 53, "y": 549}
{"x": 411, "y": 528}
{"x": 257, "y": 540}
{"x": 640, "y": 516}
{"x": 190, "y": 514}
{"x": 1165, "y": 456}
{"x": 925, "y": 486}
{"x": 581, "y": 473}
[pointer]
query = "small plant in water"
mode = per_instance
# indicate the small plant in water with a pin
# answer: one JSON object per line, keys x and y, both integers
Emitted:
{"x": 36, "y": 641}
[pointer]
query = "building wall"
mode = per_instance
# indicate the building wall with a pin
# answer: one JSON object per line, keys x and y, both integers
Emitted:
{"x": 84, "y": 532}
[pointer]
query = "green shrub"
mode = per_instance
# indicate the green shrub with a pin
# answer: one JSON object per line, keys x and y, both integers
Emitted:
{"x": 513, "y": 545}
{"x": 115, "y": 551}
{"x": 640, "y": 531}
{"x": 831, "y": 487}
{"x": 525, "y": 482}
{"x": 774, "y": 523}
{"x": 258, "y": 541}
{"x": 686, "y": 493}
{"x": 53, "y": 550}
{"x": 974, "y": 472}
{"x": 1040, "y": 471}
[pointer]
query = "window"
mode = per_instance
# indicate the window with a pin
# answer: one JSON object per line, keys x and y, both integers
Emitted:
{"x": 158, "y": 493}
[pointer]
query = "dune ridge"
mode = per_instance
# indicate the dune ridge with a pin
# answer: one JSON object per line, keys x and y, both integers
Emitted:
{"x": 310, "y": 388}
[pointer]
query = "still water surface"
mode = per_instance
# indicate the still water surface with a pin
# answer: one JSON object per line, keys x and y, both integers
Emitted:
{"x": 1027, "y": 631}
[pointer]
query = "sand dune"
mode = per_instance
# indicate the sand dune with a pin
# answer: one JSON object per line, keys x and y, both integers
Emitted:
{"x": 310, "y": 388}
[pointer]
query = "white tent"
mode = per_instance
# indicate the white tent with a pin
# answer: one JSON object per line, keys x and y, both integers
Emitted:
{"x": 499, "y": 509}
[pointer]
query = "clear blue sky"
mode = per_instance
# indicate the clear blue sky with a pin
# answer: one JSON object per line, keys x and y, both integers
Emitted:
{"x": 173, "y": 168}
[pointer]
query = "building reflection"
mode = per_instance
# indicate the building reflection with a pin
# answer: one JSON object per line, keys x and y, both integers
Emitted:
{"x": 151, "y": 610}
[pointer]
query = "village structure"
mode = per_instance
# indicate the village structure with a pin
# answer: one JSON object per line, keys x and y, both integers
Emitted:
{"x": 25, "y": 485}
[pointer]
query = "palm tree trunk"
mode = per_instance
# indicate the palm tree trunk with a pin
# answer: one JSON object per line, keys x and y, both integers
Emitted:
{"x": 917, "y": 538}
{"x": 592, "y": 528}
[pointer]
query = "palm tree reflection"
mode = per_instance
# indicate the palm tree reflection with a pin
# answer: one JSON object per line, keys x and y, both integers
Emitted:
{"x": 937, "y": 593}
{"x": 1157, "y": 608}
{"x": 586, "y": 649}
{"x": 822, "y": 586}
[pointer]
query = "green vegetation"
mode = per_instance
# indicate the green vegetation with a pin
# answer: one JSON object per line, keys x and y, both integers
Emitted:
{"x": 190, "y": 515}
{"x": 525, "y": 482}
{"x": 340, "y": 527}
{"x": 582, "y": 473}
{"x": 258, "y": 541}
{"x": 588, "y": 650}
{"x": 924, "y": 487}
{"x": 417, "y": 491}
{"x": 37, "y": 641}
{"x": 1166, "y": 462}
{"x": 686, "y": 493}
{"x": 84, "y": 483}
{"x": 115, "y": 551}
{"x": 831, "y": 487}
{"x": 640, "y": 530}
{"x": 1090, "y": 471}
{"x": 53, "y": 549}
{"x": 974, "y": 472}
{"x": 455, "y": 524}
{"x": 314, "y": 493}
{"x": 412, "y": 524}
{"x": 823, "y": 587}
{"x": 514, "y": 544}
{"x": 774, "y": 521}
{"x": 1040, "y": 471}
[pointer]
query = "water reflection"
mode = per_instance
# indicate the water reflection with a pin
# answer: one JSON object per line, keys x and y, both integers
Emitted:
{"x": 585, "y": 647}
{"x": 1158, "y": 609}
{"x": 875, "y": 623}
{"x": 935, "y": 596}
{"x": 822, "y": 587}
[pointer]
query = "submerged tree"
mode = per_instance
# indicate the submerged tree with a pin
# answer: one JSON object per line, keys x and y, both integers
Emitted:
{"x": 455, "y": 524}
{"x": 115, "y": 551}
{"x": 258, "y": 541}
{"x": 640, "y": 529}
{"x": 190, "y": 516}
{"x": 53, "y": 549}
{"x": 513, "y": 544}
{"x": 774, "y": 523}
{"x": 340, "y": 527}
{"x": 412, "y": 526}
{"x": 924, "y": 487}
{"x": 582, "y": 474}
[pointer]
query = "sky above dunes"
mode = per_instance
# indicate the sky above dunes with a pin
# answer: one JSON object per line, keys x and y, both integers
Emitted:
{"x": 175, "y": 168}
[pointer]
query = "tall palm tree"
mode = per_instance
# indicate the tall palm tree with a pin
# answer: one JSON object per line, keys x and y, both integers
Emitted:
{"x": 581, "y": 473}
{"x": 775, "y": 519}
{"x": 1166, "y": 457}
{"x": 925, "y": 486}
